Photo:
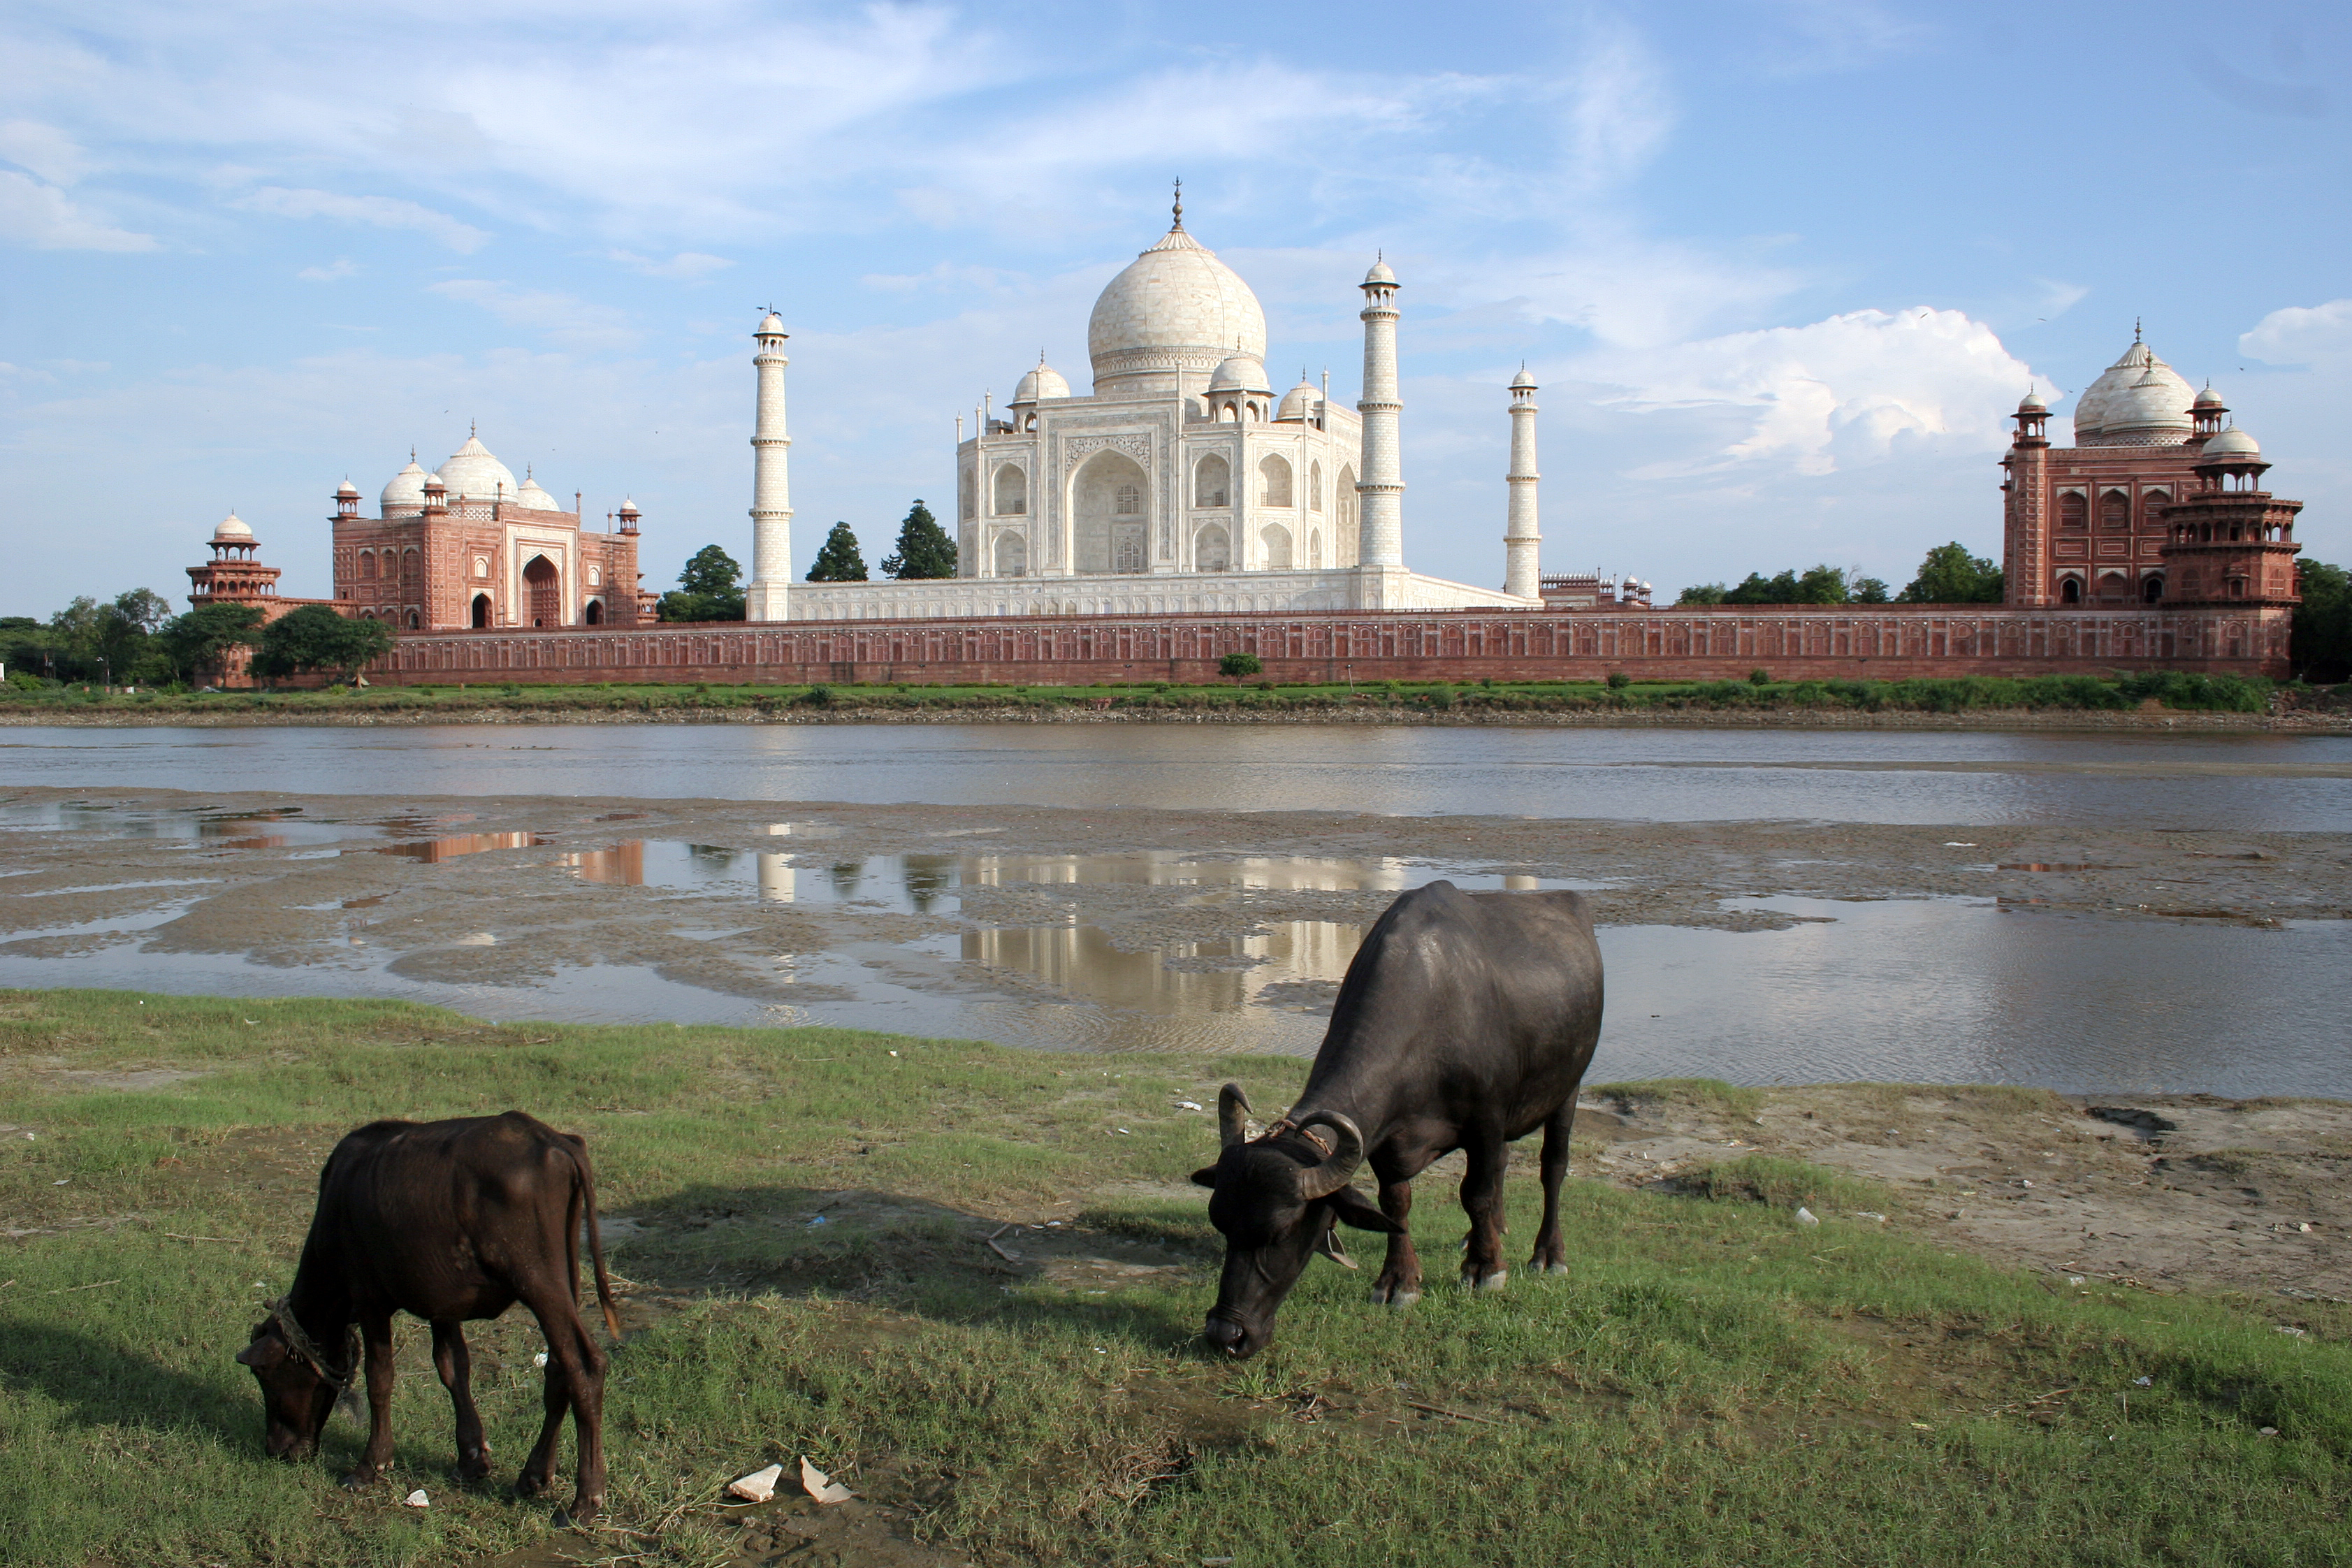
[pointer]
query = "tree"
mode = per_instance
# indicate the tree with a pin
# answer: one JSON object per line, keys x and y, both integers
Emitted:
{"x": 124, "y": 628}
{"x": 315, "y": 637}
{"x": 839, "y": 561}
{"x": 924, "y": 548}
{"x": 1702, "y": 594}
{"x": 1950, "y": 575}
{"x": 1239, "y": 666}
{"x": 709, "y": 589}
{"x": 2321, "y": 644}
{"x": 198, "y": 642}
{"x": 1868, "y": 591}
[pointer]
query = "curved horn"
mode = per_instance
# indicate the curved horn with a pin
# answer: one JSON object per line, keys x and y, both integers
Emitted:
{"x": 1347, "y": 1153}
{"x": 1232, "y": 1115}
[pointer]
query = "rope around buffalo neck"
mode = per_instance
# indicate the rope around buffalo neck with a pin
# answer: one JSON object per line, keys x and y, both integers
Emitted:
{"x": 301, "y": 1344}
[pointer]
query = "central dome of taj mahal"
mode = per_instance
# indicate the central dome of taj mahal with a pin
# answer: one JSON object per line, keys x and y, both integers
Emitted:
{"x": 1176, "y": 308}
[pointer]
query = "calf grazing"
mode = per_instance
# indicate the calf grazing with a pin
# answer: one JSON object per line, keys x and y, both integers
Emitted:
{"x": 1466, "y": 1020}
{"x": 448, "y": 1221}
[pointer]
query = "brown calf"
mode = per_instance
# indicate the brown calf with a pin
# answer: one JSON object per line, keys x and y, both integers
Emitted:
{"x": 448, "y": 1221}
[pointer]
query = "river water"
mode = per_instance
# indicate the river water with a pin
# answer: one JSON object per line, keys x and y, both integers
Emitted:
{"x": 1951, "y": 990}
{"x": 2246, "y": 781}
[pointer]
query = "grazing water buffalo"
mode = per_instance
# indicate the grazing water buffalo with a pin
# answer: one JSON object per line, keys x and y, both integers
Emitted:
{"x": 1466, "y": 1020}
{"x": 448, "y": 1221}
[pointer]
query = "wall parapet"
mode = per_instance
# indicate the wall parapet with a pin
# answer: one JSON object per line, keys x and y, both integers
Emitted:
{"x": 1691, "y": 643}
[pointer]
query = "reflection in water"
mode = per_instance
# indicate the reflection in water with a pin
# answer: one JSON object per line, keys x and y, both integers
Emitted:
{"x": 433, "y": 851}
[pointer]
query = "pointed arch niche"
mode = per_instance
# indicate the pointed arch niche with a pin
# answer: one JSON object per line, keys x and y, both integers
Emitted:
{"x": 1110, "y": 514}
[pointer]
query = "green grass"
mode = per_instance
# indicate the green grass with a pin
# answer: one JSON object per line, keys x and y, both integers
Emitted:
{"x": 2167, "y": 689}
{"x": 1714, "y": 1383}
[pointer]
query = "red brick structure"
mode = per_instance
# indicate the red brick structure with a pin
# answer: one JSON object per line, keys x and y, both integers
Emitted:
{"x": 466, "y": 547}
{"x": 2093, "y": 523}
{"x": 234, "y": 575}
{"x": 1796, "y": 642}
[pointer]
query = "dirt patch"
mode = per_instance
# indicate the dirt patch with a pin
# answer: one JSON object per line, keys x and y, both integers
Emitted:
{"x": 2174, "y": 1192}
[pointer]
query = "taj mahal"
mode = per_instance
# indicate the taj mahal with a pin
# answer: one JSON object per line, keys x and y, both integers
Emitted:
{"x": 1179, "y": 483}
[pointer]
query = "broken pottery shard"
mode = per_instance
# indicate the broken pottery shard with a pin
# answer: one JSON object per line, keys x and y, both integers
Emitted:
{"x": 759, "y": 1486}
{"x": 820, "y": 1486}
{"x": 417, "y": 1498}
{"x": 1807, "y": 1217}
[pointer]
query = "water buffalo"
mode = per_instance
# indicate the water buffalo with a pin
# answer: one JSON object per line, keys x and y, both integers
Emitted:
{"x": 448, "y": 1221}
{"x": 1466, "y": 1020}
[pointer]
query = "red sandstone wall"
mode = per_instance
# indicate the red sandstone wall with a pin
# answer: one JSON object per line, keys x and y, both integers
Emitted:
{"x": 1869, "y": 643}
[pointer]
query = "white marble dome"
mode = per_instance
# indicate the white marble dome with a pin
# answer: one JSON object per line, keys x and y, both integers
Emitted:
{"x": 1240, "y": 372}
{"x": 1300, "y": 401}
{"x": 233, "y": 530}
{"x": 534, "y": 496}
{"x": 406, "y": 490}
{"x": 1043, "y": 382}
{"x": 1176, "y": 307}
{"x": 472, "y": 472}
{"x": 2139, "y": 401}
{"x": 2231, "y": 446}
{"x": 1523, "y": 382}
{"x": 772, "y": 325}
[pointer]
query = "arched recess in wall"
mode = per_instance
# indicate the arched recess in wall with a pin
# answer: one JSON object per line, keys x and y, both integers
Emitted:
{"x": 1011, "y": 554}
{"x": 1343, "y": 508}
{"x": 1314, "y": 487}
{"x": 1012, "y": 491}
{"x": 2115, "y": 510}
{"x": 1272, "y": 481}
{"x": 1314, "y": 547}
{"x": 1275, "y": 538}
{"x": 367, "y": 565}
{"x": 413, "y": 620}
{"x": 2112, "y": 587}
{"x": 595, "y": 616}
{"x": 412, "y": 565}
{"x": 2074, "y": 512}
{"x": 964, "y": 505}
{"x": 1110, "y": 520}
{"x": 2152, "y": 590}
{"x": 1213, "y": 481}
{"x": 1213, "y": 550}
{"x": 542, "y": 587}
{"x": 481, "y": 616}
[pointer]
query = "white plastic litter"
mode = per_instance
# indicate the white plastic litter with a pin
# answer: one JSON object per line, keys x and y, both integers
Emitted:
{"x": 417, "y": 1498}
{"x": 1187, "y": 1105}
{"x": 1870, "y": 1214}
{"x": 2142, "y": 1383}
{"x": 757, "y": 1487}
{"x": 822, "y": 1486}
{"x": 1807, "y": 1217}
{"x": 2073, "y": 1280}
{"x": 539, "y": 1360}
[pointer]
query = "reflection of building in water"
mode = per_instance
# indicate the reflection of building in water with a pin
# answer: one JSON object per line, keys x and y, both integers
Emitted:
{"x": 621, "y": 866}
{"x": 1084, "y": 961}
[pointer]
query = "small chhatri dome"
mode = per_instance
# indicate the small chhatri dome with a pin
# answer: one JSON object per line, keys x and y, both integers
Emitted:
{"x": 1381, "y": 273}
{"x": 1240, "y": 372}
{"x": 2232, "y": 444}
{"x": 406, "y": 489}
{"x": 232, "y": 531}
{"x": 2209, "y": 398}
{"x": 2032, "y": 403}
{"x": 347, "y": 492}
{"x": 629, "y": 507}
{"x": 1043, "y": 382}
{"x": 772, "y": 326}
{"x": 1300, "y": 401}
{"x": 534, "y": 496}
{"x": 472, "y": 472}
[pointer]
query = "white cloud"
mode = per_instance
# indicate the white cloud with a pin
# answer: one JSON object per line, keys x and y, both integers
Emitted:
{"x": 563, "y": 318}
{"x": 44, "y": 149}
{"x": 2302, "y": 334}
{"x": 1846, "y": 389}
{"x": 341, "y": 266}
{"x": 379, "y": 212}
{"x": 687, "y": 266}
{"x": 40, "y": 216}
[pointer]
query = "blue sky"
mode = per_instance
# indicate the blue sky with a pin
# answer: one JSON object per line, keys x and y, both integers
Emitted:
{"x": 1782, "y": 268}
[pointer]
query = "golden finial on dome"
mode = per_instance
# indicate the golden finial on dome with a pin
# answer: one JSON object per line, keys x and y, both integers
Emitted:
{"x": 1180, "y": 204}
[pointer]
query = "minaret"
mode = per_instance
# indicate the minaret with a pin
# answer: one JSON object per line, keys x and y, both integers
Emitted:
{"x": 1522, "y": 540}
{"x": 772, "y": 493}
{"x": 1381, "y": 488}
{"x": 2025, "y": 523}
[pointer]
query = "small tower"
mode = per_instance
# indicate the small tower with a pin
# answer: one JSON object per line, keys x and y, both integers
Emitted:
{"x": 629, "y": 515}
{"x": 1381, "y": 486}
{"x": 347, "y": 500}
{"x": 2025, "y": 524}
{"x": 2229, "y": 541}
{"x": 436, "y": 498}
{"x": 1522, "y": 537}
{"x": 764, "y": 598}
{"x": 2207, "y": 414}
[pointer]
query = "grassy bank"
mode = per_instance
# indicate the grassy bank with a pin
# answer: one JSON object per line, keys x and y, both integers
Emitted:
{"x": 2170, "y": 690}
{"x": 807, "y": 1214}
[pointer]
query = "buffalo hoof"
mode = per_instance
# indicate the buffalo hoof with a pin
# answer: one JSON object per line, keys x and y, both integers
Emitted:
{"x": 358, "y": 1482}
{"x": 1556, "y": 1268}
{"x": 1397, "y": 1296}
{"x": 1495, "y": 1281}
{"x": 529, "y": 1484}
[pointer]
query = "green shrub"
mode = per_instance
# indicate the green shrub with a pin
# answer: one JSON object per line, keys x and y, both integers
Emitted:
{"x": 2210, "y": 693}
{"x": 1619, "y": 680}
{"x": 1759, "y": 677}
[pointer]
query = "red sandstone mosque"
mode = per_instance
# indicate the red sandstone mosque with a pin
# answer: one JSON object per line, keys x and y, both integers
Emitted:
{"x": 2148, "y": 541}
